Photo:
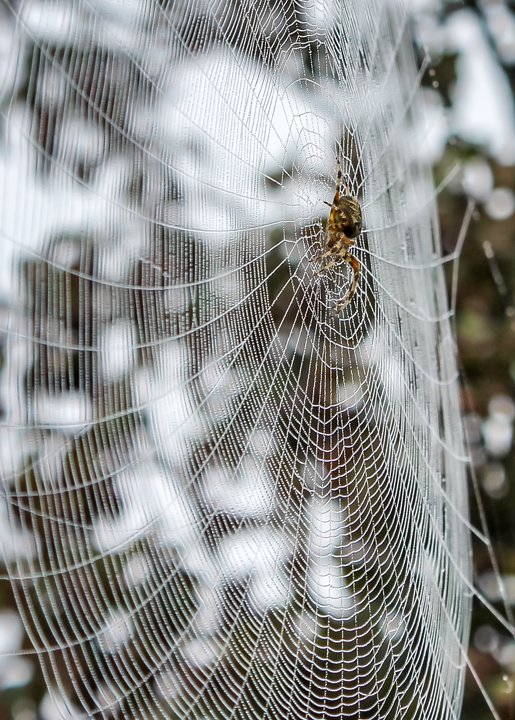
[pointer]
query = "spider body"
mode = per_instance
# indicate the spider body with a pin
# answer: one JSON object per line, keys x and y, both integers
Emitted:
{"x": 342, "y": 229}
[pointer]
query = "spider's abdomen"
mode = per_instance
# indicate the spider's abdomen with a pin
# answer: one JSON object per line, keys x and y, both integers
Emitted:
{"x": 346, "y": 218}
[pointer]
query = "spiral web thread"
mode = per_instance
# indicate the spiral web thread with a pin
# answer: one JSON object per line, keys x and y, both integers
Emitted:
{"x": 220, "y": 498}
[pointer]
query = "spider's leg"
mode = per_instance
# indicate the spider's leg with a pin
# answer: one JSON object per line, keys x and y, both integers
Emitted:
{"x": 339, "y": 179}
{"x": 336, "y": 252}
{"x": 320, "y": 258}
{"x": 346, "y": 185}
{"x": 328, "y": 265}
{"x": 356, "y": 269}
{"x": 343, "y": 182}
{"x": 317, "y": 258}
{"x": 332, "y": 253}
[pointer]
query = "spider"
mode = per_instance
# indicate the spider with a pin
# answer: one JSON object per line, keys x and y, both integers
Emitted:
{"x": 342, "y": 229}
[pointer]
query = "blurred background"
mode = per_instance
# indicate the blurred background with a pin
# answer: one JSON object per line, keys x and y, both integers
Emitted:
{"x": 472, "y": 79}
{"x": 470, "y": 141}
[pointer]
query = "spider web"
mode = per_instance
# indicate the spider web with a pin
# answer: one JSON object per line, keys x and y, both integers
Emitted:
{"x": 220, "y": 498}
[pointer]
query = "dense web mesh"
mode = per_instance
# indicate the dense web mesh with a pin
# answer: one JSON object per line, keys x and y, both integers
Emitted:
{"x": 220, "y": 498}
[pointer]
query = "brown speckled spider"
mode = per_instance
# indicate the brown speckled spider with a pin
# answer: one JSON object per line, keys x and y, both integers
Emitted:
{"x": 342, "y": 229}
